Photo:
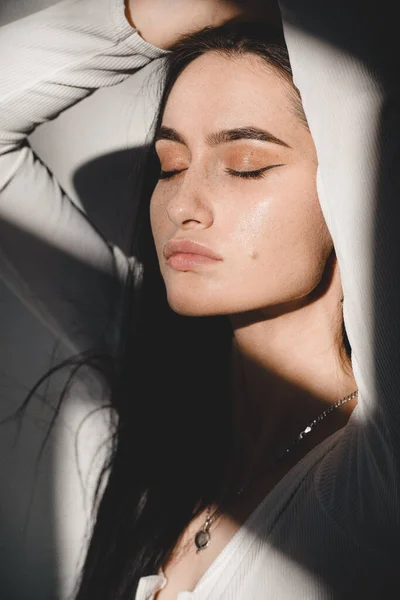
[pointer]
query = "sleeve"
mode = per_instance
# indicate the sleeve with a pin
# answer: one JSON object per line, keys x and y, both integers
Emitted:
{"x": 345, "y": 64}
{"x": 51, "y": 256}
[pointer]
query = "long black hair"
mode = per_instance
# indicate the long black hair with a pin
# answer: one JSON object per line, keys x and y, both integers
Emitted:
{"x": 169, "y": 383}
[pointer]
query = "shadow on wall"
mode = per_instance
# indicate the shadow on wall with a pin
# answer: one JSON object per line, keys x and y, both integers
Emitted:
{"x": 30, "y": 561}
{"x": 11, "y": 10}
{"x": 108, "y": 188}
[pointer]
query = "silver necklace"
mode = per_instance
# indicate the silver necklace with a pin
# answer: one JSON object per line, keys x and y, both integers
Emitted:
{"x": 202, "y": 537}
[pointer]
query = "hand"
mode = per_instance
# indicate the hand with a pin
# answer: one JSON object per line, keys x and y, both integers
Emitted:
{"x": 163, "y": 22}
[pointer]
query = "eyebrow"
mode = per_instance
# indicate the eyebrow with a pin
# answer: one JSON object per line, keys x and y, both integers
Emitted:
{"x": 224, "y": 136}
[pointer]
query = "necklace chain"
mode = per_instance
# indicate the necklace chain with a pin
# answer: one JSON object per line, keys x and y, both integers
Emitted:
{"x": 202, "y": 538}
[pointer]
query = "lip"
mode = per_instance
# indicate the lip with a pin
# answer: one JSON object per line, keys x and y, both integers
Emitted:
{"x": 184, "y": 254}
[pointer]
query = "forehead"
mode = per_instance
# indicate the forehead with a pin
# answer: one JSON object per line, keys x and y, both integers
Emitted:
{"x": 219, "y": 92}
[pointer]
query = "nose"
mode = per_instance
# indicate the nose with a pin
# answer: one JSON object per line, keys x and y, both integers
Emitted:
{"x": 189, "y": 206}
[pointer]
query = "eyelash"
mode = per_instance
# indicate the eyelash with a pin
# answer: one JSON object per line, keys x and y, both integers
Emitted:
{"x": 258, "y": 174}
{"x": 167, "y": 174}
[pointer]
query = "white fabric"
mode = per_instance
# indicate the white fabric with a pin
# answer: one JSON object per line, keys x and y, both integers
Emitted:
{"x": 330, "y": 528}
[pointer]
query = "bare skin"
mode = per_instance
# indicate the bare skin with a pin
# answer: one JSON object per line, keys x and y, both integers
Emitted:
{"x": 277, "y": 277}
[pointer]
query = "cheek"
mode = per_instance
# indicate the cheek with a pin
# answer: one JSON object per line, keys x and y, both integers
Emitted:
{"x": 252, "y": 226}
{"x": 158, "y": 220}
{"x": 153, "y": 214}
{"x": 282, "y": 231}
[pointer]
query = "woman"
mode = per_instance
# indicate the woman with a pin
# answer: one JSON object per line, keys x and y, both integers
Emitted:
{"x": 237, "y": 471}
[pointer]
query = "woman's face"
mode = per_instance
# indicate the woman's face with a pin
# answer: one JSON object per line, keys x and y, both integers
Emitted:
{"x": 236, "y": 219}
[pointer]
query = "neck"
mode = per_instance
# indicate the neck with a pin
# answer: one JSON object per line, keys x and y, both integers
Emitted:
{"x": 288, "y": 368}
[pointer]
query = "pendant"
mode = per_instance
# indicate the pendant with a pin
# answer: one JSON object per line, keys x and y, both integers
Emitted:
{"x": 202, "y": 538}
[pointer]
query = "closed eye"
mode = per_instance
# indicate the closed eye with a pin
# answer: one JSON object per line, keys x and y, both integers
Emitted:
{"x": 167, "y": 174}
{"x": 258, "y": 174}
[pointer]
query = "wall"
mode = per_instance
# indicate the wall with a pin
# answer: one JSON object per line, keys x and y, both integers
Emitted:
{"x": 91, "y": 148}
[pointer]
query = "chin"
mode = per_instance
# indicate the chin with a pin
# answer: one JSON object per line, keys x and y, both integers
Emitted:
{"x": 194, "y": 306}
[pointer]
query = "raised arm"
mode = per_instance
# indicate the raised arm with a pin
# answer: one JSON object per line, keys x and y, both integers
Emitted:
{"x": 50, "y": 254}
{"x": 345, "y": 63}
